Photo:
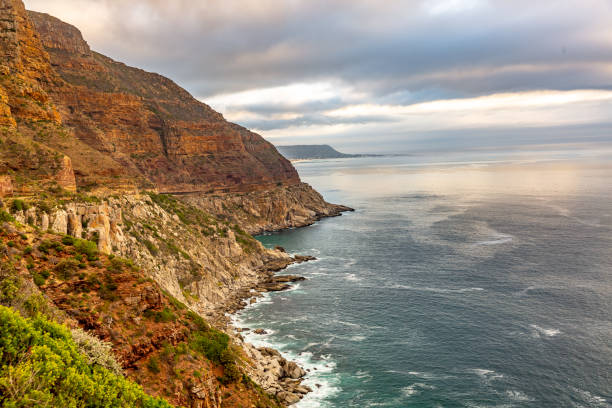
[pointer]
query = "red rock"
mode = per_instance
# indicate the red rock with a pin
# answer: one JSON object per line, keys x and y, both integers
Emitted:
{"x": 151, "y": 126}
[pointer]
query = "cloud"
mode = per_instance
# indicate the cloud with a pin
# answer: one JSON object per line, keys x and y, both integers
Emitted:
{"x": 281, "y": 65}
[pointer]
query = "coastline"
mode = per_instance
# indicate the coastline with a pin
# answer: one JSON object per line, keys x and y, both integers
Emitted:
{"x": 276, "y": 373}
{"x": 279, "y": 373}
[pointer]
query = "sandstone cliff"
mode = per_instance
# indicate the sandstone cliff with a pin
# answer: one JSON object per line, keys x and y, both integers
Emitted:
{"x": 73, "y": 123}
{"x": 151, "y": 125}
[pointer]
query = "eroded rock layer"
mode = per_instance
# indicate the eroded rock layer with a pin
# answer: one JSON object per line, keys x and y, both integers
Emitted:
{"x": 294, "y": 206}
{"x": 151, "y": 125}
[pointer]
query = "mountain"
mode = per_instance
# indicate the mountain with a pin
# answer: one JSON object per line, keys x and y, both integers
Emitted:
{"x": 302, "y": 152}
{"x": 126, "y": 208}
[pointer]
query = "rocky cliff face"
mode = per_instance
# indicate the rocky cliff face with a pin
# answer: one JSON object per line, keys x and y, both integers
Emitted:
{"x": 206, "y": 263}
{"x": 37, "y": 152}
{"x": 151, "y": 125}
{"x": 279, "y": 208}
{"x": 74, "y": 122}
{"x": 25, "y": 70}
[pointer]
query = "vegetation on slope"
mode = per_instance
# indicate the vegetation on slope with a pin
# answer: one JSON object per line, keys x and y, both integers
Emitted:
{"x": 42, "y": 366}
{"x": 165, "y": 348}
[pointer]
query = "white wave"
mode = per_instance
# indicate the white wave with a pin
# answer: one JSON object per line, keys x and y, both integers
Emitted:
{"x": 428, "y": 376}
{"x": 348, "y": 323}
{"x": 540, "y": 331}
{"x": 519, "y": 396}
{"x": 358, "y": 338}
{"x": 321, "y": 375}
{"x": 321, "y": 378}
{"x": 592, "y": 399}
{"x": 309, "y": 345}
{"x": 486, "y": 375}
{"x": 349, "y": 262}
{"x": 495, "y": 241}
{"x": 352, "y": 277}
{"x": 363, "y": 375}
{"x": 292, "y": 288}
{"x": 416, "y": 388}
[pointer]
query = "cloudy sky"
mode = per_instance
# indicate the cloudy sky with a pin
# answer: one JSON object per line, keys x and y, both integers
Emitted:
{"x": 376, "y": 76}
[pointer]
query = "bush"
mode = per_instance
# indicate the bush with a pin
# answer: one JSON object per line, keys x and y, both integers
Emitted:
{"x": 18, "y": 205}
{"x": 68, "y": 240}
{"x": 87, "y": 248}
{"x": 211, "y": 343}
{"x": 117, "y": 264}
{"x": 153, "y": 250}
{"x": 108, "y": 288}
{"x": 46, "y": 245}
{"x": 153, "y": 365}
{"x": 6, "y": 217}
{"x": 66, "y": 268}
{"x": 41, "y": 366}
{"x": 96, "y": 351}
{"x": 164, "y": 316}
{"x": 27, "y": 250}
{"x": 39, "y": 280}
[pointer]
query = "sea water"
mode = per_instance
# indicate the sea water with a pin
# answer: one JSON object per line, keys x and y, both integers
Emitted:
{"x": 474, "y": 279}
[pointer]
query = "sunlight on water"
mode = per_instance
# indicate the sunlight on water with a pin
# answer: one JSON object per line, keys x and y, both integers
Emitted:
{"x": 459, "y": 281}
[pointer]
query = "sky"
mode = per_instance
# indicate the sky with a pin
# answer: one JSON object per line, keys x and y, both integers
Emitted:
{"x": 374, "y": 76}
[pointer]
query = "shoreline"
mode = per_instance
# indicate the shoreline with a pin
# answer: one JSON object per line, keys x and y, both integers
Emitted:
{"x": 267, "y": 366}
{"x": 276, "y": 373}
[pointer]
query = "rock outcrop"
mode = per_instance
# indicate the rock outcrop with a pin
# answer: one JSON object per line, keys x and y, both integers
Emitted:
{"x": 202, "y": 261}
{"x": 294, "y": 206}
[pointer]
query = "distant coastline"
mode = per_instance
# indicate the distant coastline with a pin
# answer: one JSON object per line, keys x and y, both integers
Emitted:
{"x": 297, "y": 153}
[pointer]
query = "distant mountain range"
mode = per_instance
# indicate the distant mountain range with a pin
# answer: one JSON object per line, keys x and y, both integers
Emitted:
{"x": 303, "y": 152}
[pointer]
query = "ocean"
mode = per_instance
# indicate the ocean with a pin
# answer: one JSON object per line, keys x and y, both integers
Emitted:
{"x": 474, "y": 279}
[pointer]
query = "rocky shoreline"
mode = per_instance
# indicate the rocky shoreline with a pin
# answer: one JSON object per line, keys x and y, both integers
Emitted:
{"x": 266, "y": 366}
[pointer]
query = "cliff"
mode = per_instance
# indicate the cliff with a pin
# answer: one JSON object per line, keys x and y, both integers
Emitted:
{"x": 87, "y": 147}
{"x": 149, "y": 124}
{"x": 202, "y": 263}
{"x": 156, "y": 340}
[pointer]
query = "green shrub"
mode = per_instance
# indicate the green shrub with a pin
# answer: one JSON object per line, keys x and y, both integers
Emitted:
{"x": 211, "y": 343}
{"x": 39, "y": 280}
{"x": 9, "y": 288}
{"x": 87, "y": 248}
{"x": 18, "y": 205}
{"x": 231, "y": 373}
{"x": 6, "y": 217}
{"x": 41, "y": 366}
{"x": 68, "y": 240}
{"x": 153, "y": 250}
{"x": 46, "y": 245}
{"x": 66, "y": 268}
{"x": 199, "y": 322}
{"x": 27, "y": 250}
{"x": 164, "y": 316}
{"x": 153, "y": 365}
{"x": 35, "y": 304}
{"x": 108, "y": 288}
{"x": 117, "y": 264}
